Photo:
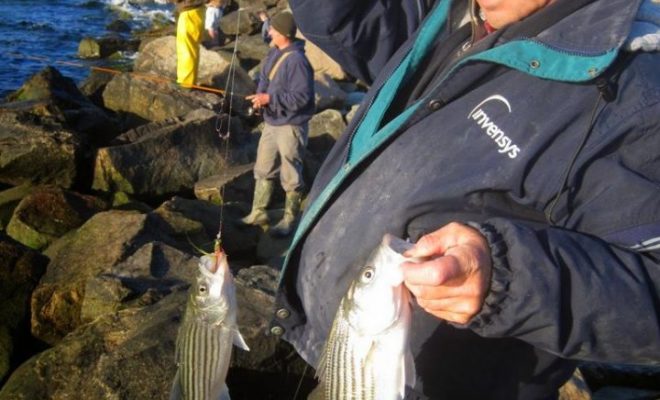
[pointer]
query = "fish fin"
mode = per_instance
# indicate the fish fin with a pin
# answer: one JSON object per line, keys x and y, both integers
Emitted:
{"x": 175, "y": 392}
{"x": 320, "y": 367}
{"x": 370, "y": 353}
{"x": 224, "y": 395}
{"x": 239, "y": 341}
{"x": 409, "y": 373}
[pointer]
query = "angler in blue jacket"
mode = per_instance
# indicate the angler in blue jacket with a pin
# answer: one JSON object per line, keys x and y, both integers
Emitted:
{"x": 517, "y": 143}
{"x": 285, "y": 95}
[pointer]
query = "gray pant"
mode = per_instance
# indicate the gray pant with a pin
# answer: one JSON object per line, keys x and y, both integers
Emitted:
{"x": 282, "y": 145}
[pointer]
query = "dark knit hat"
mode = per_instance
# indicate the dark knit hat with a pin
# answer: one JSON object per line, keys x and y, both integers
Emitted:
{"x": 284, "y": 24}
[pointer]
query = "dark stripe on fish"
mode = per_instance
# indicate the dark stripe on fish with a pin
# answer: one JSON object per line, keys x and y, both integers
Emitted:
{"x": 347, "y": 376}
{"x": 205, "y": 353}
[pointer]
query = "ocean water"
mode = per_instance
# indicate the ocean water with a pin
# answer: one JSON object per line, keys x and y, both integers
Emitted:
{"x": 37, "y": 33}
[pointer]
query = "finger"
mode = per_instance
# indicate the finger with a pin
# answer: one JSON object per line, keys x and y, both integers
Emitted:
{"x": 455, "y": 290}
{"x": 439, "y": 241}
{"x": 457, "y": 305}
{"x": 427, "y": 245}
{"x": 250, "y": 97}
{"x": 433, "y": 272}
{"x": 456, "y": 318}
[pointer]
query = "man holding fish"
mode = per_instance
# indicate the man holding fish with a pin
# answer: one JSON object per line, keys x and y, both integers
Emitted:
{"x": 515, "y": 143}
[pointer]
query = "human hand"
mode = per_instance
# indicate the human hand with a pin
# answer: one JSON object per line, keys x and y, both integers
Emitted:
{"x": 259, "y": 100}
{"x": 453, "y": 279}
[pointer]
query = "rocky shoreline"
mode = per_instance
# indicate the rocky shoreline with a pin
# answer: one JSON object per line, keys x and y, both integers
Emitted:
{"x": 110, "y": 190}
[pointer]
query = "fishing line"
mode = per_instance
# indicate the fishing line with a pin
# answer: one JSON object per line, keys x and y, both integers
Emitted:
{"x": 229, "y": 88}
{"x": 302, "y": 377}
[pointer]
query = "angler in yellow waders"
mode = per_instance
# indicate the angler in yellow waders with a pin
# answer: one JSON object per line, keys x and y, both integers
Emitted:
{"x": 189, "y": 30}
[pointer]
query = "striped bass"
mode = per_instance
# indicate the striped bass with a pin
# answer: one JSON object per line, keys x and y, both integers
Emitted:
{"x": 207, "y": 333}
{"x": 367, "y": 355}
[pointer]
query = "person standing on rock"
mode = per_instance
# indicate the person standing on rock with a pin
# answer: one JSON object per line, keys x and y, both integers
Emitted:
{"x": 189, "y": 30}
{"x": 214, "y": 11}
{"x": 265, "y": 27}
{"x": 285, "y": 97}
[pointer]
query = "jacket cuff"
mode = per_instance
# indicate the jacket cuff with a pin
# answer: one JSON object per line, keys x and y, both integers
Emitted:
{"x": 501, "y": 275}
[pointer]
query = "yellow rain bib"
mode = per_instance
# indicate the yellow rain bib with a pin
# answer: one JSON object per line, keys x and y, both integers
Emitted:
{"x": 188, "y": 38}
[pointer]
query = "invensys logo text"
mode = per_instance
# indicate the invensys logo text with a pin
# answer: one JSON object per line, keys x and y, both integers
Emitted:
{"x": 490, "y": 128}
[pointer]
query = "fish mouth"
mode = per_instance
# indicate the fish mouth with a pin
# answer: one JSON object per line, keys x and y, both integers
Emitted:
{"x": 210, "y": 265}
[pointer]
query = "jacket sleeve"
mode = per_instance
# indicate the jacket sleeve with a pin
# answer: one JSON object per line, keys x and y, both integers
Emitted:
{"x": 572, "y": 294}
{"x": 360, "y": 35}
{"x": 298, "y": 92}
{"x": 588, "y": 289}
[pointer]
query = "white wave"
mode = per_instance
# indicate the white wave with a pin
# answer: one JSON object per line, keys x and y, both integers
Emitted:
{"x": 129, "y": 55}
{"x": 145, "y": 11}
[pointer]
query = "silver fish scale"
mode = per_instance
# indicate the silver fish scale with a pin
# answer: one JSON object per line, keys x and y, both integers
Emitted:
{"x": 204, "y": 352}
{"x": 347, "y": 372}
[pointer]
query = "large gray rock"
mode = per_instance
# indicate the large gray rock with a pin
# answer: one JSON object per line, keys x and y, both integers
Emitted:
{"x": 104, "y": 241}
{"x": 159, "y": 57}
{"x": 167, "y": 158}
{"x": 254, "y": 4}
{"x": 575, "y": 388}
{"x": 232, "y": 184}
{"x": 272, "y": 250}
{"x": 37, "y": 149}
{"x": 105, "y": 46}
{"x": 197, "y": 222}
{"x": 324, "y": 130}
{"x": 321, "y": 62}
{"x": 94, "y": 85}
{"x": 152, "y": 272}
{"x": 9, "y": 199}
{"x": 151, "y": 100}
{"x": 20, "y": 271}
{"x": 251, "y": 50}
{"x": 352, "y": 112}
{"x": 6, "y": 350}
{"x": 243, "y": 21}
{"x": 72, "y": 108}
{"x": 48, "y": 212}
{"x": 129, "y": 354}
{"x": 327, "y": 93}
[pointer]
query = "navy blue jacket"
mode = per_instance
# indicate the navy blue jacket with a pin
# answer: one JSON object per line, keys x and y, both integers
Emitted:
{"x": 292, "y": 88}
{"x": 548, "y": 143}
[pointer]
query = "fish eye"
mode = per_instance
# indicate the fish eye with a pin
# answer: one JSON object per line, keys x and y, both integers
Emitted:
{"x": 367, "y": 274}
{"x": 202, "y": 289}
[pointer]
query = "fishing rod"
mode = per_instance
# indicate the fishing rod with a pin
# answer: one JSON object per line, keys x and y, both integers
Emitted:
{"x": 144, "y": 76}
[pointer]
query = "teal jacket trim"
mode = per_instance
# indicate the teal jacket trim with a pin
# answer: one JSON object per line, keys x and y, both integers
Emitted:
{"x": 537, "y": 59}
{"x": 370, "y": 126}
